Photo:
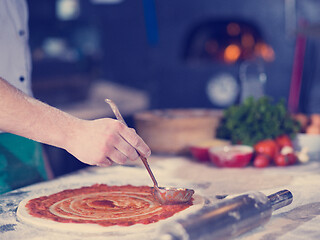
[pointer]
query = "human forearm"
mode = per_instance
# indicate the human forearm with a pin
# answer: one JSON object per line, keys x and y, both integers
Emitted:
{"x": 94, "y": 142}
{"x": 28, "y": 117}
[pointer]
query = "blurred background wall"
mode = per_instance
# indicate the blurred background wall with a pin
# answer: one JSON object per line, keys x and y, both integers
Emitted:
{"x": 181, "y": 53}
{"x": 170, "y": 49}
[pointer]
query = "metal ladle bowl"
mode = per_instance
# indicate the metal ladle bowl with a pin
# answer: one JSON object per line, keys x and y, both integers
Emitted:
{"x": 164, "y": 195}
{"x": 171, "y": 195}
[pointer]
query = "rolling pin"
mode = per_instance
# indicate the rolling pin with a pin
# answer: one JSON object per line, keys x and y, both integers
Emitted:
{"x": 227, "y": 219}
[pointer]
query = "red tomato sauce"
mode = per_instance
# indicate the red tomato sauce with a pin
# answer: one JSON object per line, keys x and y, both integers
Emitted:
{"x": 104, "y": 205}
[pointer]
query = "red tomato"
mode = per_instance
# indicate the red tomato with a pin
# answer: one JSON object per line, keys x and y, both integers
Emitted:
{"x": 268, "y": 147}
{"x": 281, "y": 160}
{"x": 285, "y": 160}
{"x": 292, "y": 158}
{"x": 283, "y": 141}
{"x": 261, "y": 160}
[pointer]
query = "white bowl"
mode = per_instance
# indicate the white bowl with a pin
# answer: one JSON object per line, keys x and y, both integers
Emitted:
{"x": 309, "y": 141}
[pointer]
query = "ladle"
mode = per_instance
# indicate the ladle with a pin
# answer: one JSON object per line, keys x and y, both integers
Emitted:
{"x": 165, "y": 195}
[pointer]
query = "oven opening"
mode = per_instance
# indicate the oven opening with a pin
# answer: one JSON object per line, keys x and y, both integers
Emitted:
{"x": 226, "y": 41}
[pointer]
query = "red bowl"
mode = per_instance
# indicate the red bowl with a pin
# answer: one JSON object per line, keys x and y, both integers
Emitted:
{"x": 231, "y": 156}
{"x": 200, "y": 151}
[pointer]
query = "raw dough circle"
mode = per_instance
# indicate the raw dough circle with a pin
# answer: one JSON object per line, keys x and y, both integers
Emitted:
{"x": 94, "y": 207}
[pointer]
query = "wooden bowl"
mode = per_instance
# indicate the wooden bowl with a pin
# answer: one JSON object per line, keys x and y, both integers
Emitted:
{"x": 172, "y": 131}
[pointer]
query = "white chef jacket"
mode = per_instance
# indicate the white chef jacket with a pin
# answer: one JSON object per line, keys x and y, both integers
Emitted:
{"x": 15, "y": 60}
{"x": 21, "y": 155}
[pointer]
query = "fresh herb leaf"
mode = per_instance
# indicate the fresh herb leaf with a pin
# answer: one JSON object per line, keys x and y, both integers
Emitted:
{"x": 256, "y": 120}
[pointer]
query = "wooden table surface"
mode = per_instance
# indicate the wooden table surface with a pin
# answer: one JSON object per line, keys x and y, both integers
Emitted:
{"x": 299, "y": 220}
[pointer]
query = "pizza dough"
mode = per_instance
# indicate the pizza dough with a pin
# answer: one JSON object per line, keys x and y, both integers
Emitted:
{"x": 101, "y": 208}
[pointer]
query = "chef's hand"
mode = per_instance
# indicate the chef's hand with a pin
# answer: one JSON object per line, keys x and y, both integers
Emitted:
{"x": 103, "y": 141}
{"x": 97, "y": 142}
